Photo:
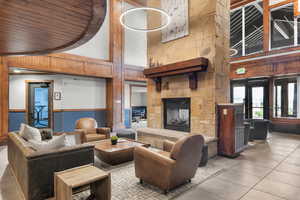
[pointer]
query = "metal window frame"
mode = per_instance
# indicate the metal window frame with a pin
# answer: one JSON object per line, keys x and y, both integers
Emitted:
{"x": 295, "y": 28}
{"x": 244, "y": 24}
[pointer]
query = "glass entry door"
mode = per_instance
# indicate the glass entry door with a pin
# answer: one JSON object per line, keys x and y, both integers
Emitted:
{"x": 254, "y": 94}
{"x": 39, "y": 104}
{"x": 257, "y": 102}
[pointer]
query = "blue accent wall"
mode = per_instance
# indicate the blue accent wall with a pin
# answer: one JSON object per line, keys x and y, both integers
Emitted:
{"x": 69, "y": 118}
{"x": 127, "y": 118}
{"x": 63, "y": 121}
{"x": 15, "y": 119}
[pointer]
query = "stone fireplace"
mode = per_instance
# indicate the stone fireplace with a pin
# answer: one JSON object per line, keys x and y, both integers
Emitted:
{"x": 177, "y": 114}
{"x": 208, "y": 38}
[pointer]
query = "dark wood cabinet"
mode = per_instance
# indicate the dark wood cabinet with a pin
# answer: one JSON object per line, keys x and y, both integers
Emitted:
{"x": 231, "y": 131}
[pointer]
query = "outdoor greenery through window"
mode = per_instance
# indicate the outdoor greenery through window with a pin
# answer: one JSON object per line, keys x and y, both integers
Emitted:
{"x": 286, "y": 97}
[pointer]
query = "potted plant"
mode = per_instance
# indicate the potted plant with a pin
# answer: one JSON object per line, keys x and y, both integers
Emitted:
{"x": 114, "y": 140}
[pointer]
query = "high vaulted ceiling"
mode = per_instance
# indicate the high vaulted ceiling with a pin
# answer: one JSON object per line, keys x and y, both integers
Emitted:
{"x": 33, "y": 27}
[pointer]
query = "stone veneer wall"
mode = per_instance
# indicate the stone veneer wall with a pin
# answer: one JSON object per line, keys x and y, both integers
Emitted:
{"x": 209, "y": 37}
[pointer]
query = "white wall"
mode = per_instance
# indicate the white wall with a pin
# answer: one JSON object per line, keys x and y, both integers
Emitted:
{"x": 77, "y": 92}
{"x": 135, "y": 43}
{"x": 98, "y": 46}
{"x": 137, "y": 99}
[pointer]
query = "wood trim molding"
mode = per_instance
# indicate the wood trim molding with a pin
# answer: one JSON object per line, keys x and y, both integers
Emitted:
{"x": 287, "y": 121}
{"x": 4, "y": 97}
{"x": 136, "y": 3}
{"x": 63, "y": 63}
{"x": 134, "y": 73}
{"x": 296, "y": 8}
{"x": 281, "y": 65}
{"x": 16, "y": 110}
{"x": 80, "y": 110}
{"x": 267, "y": 53}
{"x": 115, "y": 85}
{"x": 280, "y": 4}
{"x": 266, "y": 23}
{"x": 239, "y": 3}
{"x": 62, "y": 110}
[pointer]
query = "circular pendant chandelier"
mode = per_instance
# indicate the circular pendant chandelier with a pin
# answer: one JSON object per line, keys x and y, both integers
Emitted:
{"x": 160, "y": 11}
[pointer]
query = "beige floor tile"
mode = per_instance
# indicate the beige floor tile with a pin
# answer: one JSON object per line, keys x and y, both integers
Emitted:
{"x": 226, "y": 190}
{"x": 199, "y": 194}
{"x": 279, "y": 189}
{"x": 257, "y": 195}
{"x": 288, "y": 168}
{"x": 252, "y": 169}
{"x": 239, "y": 177}
{"x": 291, "y": 179}
{"x": 295, "y": 160}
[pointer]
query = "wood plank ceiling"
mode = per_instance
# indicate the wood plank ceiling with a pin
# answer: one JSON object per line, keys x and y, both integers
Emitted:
{"x": 34, "y": 27}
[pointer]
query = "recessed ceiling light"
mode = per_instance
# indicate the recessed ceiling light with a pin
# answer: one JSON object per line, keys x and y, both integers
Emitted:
{"x": 162, "y": 12}
{"x": 17, "y": 71}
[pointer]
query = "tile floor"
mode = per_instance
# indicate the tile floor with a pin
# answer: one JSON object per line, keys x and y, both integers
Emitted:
{"x": 265, "y": 171}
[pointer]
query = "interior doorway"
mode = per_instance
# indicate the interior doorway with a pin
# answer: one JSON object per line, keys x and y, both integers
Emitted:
{"x": 138, "y": 104}
{"x": 39, "y": 103}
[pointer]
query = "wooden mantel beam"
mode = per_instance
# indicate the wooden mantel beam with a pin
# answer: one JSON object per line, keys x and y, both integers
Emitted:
{"x": 189, "y": 67}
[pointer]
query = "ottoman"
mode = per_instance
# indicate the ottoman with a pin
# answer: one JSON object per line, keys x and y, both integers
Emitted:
{"x": 126, "y": 133}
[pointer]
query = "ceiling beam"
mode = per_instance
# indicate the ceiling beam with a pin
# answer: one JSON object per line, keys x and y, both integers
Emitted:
{"x": 136, "y": 3}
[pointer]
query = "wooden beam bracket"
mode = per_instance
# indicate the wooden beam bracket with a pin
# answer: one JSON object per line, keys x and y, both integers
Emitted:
{"x": 193, "y": 80}
{"x": 158, "y": 84}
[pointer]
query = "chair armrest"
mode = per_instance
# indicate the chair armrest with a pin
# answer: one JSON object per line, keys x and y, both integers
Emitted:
{"x": 168, "y": 145}
{"x": 104, "y": 131}
{"x": 142, "y": 153}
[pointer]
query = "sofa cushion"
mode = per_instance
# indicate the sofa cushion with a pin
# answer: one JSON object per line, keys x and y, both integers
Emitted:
{"x": 56, "y": 143}
{"x": 30, "y": 133}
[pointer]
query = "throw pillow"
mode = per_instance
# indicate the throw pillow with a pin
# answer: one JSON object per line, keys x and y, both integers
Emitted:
{"x": 22, "y": 127}
{"x": 30, "y": 133}
{"x": 47, "y": 134}
{"x": 54, "y": 144}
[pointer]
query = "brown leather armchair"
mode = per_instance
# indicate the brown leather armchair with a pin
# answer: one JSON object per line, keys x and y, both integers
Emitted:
{"x": 90, "y": 132}
{"x": 175, "y": 165}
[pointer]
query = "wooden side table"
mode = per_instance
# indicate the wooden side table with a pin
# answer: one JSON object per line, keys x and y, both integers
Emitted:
{"x": 66, "y": 181}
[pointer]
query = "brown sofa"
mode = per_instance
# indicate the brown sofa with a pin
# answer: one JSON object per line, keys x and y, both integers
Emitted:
{"x": 90, "y": 132}
{"x": 34, "y": 170}
{"x": 175, "y": 165}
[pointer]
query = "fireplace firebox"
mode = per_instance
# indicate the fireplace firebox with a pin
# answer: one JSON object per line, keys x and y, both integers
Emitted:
{"x": 177, "y": 114}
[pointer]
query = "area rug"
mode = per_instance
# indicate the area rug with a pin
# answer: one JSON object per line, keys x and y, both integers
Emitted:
{"x": 125, "y": 186}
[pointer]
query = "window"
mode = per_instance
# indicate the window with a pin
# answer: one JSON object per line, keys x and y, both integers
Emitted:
{"x": 236, "y": 32}
{"x": 286, "y": 97}
{"x": 258, "y": 105}
{"x": 282, "y": 27}
{"x": 246, "y": 30}
{"x": 239, "y": 94}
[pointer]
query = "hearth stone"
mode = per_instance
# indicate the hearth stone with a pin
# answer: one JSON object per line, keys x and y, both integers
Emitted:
{"x": 156, "y": 137}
